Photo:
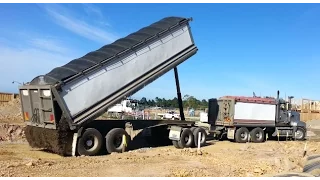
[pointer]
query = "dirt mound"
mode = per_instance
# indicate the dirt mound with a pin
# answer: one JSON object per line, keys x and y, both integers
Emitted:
{"x": 11, "y": 112}
{"x": 10, "y": 132}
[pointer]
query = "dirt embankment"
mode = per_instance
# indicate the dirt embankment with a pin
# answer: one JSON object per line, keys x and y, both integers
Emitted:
{"x": 11, "y": 122}
{"x": 10, "y": 132}
{"x": 11, "y": 112}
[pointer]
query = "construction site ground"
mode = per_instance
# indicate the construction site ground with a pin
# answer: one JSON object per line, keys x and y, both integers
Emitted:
{"x": 218, "y": 158}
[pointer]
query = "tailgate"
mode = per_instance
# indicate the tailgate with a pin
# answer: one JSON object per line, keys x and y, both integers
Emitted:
{"x": 37, "y": 106}
{"x": 226, "y": 112}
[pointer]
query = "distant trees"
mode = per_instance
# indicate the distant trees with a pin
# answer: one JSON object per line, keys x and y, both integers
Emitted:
{"x": 188, "y": 102}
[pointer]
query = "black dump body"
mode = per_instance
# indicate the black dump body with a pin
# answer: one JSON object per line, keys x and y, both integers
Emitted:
{"x": 108, "y": 52}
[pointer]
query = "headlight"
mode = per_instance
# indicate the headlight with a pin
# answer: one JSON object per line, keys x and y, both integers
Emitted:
{"x": 294, "y": 123}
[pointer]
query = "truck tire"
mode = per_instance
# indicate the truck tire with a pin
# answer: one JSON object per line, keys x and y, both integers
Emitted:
{"x": 293, "y": 174}
{"x": 242, "y": 135}
{"x": 257, "y": 135}
{"x": 301, "y": 134}
{"x": 176, "y": 144}
{"x": 186, "y": 138}
{"x": 114, "y": 140}
{"x": 313, "y": 167}
{"x": 203, "y": 136}
{"x": 193, "y": 128}
{"x": 313, "y": 157}
{"x": 90, "y": 143}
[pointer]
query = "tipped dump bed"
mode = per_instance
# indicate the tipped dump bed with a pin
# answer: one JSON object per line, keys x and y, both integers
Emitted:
{"x": 71, "y": 96}
{"x": 108, "y": 52}
{"x": 85, "y": 87}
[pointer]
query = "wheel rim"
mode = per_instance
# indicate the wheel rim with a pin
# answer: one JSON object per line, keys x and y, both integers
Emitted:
{"x": 299, "y": 134}
{"x": 117, "y": 141}
{"x": 244, "y": 135}
{"x": 186, "y": 139}
{"x": 258, "y": 135}
{"x": 90, "y": 143}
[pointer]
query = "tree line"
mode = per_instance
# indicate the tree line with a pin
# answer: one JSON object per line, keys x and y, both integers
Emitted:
{"x": 187, "y": 100}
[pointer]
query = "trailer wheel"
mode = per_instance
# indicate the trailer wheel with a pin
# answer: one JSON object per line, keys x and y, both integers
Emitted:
{"x": 176, "y": 144}
{"x": 313, "y": 167}
{"x": 114, "y": 140}
{"x": 90, "y": 143}
{"x": 242, "y": 135}
{"x": 257, "y": 135}
{"x": 300, "y": 134}
{"x": 186, "y": 138}
{"x": 203, "y": 136}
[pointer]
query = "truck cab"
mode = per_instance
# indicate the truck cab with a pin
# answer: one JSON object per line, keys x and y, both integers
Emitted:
{"x": 289, "y": 117}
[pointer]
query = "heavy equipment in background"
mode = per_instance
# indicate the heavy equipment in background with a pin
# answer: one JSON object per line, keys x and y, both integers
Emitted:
{"x": 253, "y": 119}
{"x": 61, "y": 107}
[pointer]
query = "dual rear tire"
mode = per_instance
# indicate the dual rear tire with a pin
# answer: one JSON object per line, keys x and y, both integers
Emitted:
{"x": 189, "y": 138}
{"x": 91, "y": 141}
{"x": 243, "y": 135}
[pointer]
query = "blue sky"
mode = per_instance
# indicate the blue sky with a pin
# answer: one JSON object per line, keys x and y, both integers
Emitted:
{"x": 242, "y": 47}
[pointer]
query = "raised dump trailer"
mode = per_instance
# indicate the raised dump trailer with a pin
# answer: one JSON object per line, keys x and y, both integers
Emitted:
{"x": 60, "y": 107}
{"x": 246, "y": 119}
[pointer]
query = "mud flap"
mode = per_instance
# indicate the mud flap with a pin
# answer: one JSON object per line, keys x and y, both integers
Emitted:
{"x": 231, "y": 132}
{"x": 174, "y": 133}
{"x": 74, "y": 144}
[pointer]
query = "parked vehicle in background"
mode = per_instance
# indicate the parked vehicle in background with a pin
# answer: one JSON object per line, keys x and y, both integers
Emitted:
{"x": 170, "y": 115}
{"x": 253, "y": 119}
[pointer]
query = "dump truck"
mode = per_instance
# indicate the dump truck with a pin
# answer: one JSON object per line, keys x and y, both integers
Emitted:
{"x": 61, "y": 107}
{"x": 245, "y": 119}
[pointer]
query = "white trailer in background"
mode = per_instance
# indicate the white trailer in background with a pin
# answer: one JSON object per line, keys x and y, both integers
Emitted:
{"x": 246, "y": 119}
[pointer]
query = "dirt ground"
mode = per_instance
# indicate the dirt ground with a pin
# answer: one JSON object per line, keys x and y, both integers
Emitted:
{"x": 222, "y": 158}
{"x": 217, "y": 159}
